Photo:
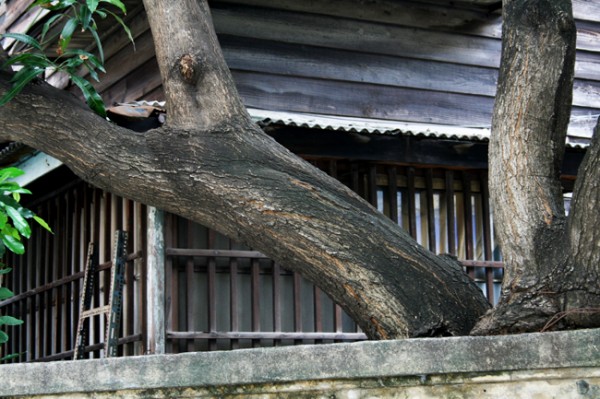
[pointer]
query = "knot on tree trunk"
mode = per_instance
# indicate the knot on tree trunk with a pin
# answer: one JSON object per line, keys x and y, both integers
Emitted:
{"x": 189, "y": 68}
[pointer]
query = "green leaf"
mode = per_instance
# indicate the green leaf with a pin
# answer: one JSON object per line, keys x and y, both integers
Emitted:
{"x": 13, "y": 244}
{"x": 116, "y": 3}
{"x": 28, "y": 40}
{"x": 10, "y": 173}
{"x": 5, "y": 201}
{"x": 10, "y": 357}
{"x": 13, "y": 187}
{"x": 48, "y": 24}
{"x": 29, "y": 59}
{"x": 98, "y": 44}
{"x": 3, "y": 338}
{"x": 52, "y": 5}
{"x": 5, "y": 270}
{"x": 92, "y": 97}
{"x": 67, "y": 33}
{"x": 19, "y": 221}
{"x": 3, "y": 219}
{"x": 86, "y": 57}
{"x": 5, "y": 293}
{"x": 42, "y": 223}
{"x": 10, "y": 321}
{"x": 92, "y": 4}
{"x": 26, "y": 213}
{"x": 125, "y": 28}
{"x": 25, "y": 76}
{"x": 85, "y": 17}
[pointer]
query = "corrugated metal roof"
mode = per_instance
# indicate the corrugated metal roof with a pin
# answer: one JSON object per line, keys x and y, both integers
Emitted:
{"x": 266, "y": 118}
{"x": 368, "y": 126}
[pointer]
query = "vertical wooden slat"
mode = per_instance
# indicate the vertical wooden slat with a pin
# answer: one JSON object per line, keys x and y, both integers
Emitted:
{"x": 31, "y": 317}
{"x": 87, "y": 235}
{"x": 255, "y": 289}
{"x": 487, "y": 236}
{"x": 233, "y": 299}
{"x": 372, "y": 183}
{"x": 412, "y": 210}
{"x": 76, "y": 257}
{"x": 297, "y": 304}
{"x": 141, "y": 292}
{"x": 128, "y": 296}
{"x": 48, "y": 272}
{"x": 189, "y": 287}
{"x": 355, "y": 178}
{"x": 57, "y": 241}
{"x": 114, "y": 217}
{"x": 67, "y": 244}
{"x": 318, "y": 309}
{"x": 170, "y": 276}
{"x": 430, "y": 210}
{"x": 38, "y": 299}
{"x": 97, "y": 232}
{"x": 212, "y": 301}
{"x": 276, "y": 299}
{"x": 466, "y": 183}
{"x": 451, "y": 221}
{"x": 337, "y": 310}
{"x": 332, "y": 168}
{"x": 392, "y": 190}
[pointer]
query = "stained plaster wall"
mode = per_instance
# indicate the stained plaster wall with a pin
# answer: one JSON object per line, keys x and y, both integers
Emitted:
{"x": 550, "y": 365}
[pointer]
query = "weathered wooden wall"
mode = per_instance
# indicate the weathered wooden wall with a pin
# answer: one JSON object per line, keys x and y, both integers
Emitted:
{"x": 396, "y": 60}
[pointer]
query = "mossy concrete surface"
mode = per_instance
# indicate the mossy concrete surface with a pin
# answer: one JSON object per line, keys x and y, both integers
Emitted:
{"x": 549, "y": 365}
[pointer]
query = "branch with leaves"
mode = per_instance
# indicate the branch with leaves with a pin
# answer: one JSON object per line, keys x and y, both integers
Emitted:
{"x": 13, "y": 227}
{"x": 32, "y": 61}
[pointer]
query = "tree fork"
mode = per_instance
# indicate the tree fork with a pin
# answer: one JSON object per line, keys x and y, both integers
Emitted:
{"x": 529, "y": 128}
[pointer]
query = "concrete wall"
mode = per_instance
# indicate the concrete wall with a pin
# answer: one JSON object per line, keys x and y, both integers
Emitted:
{"x": 550, "y": 365}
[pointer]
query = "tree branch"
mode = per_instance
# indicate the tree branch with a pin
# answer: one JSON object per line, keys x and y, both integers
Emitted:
{"x": 242, "y": 183}
{"x": 529, "y": 128}
{"x": 199, "y": 89}
{"x": 584, "y": 219}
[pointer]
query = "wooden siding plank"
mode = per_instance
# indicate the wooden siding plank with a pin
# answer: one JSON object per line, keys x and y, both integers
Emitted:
{"x": 330, "y": 32}
{"x": 135, "y": 85}
{"x": 405, "y": 13}
{"x": 586, "y": 10}
{"x": 588, "y": 36}
{"x": 361, "y": 100}
{"x": 14, "y": 10}
{"x": 246, "y": 54}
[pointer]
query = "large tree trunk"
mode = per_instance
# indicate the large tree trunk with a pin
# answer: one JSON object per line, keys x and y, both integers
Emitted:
{"x": 212, "y": 165}
{"x": 548, "y": 268}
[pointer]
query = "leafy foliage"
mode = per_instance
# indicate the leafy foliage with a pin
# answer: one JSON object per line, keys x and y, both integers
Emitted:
{"x": 33, "y": 61}
{"x": 14, "y": 225}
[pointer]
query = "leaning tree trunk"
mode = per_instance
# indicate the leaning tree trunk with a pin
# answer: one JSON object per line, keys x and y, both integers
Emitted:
{"x": 212, "y": 165}
{"x": 549, "y": 267}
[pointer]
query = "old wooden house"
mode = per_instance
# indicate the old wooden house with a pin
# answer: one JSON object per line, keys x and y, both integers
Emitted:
{"x": 392, "y": 97}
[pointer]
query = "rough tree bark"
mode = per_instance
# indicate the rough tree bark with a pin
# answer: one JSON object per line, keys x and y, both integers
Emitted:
{"x": 551, "y": 262}
{"x": 213, "y": 165}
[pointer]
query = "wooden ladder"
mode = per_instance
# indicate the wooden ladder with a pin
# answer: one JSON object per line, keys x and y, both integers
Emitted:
{"x": 114, "y": 308}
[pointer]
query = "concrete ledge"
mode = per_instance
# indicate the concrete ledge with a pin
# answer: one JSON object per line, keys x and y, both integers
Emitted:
{"x": 573, "y": 350}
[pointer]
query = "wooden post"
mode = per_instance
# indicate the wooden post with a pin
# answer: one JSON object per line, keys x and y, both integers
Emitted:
{"x": 155, "y": 283}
